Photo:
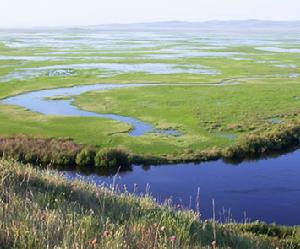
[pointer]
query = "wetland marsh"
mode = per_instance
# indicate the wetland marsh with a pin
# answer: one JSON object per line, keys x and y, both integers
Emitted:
{"x": 160, "y": 94}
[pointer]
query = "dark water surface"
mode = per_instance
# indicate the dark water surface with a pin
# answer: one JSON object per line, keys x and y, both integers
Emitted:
{"x": 267, "y": 189}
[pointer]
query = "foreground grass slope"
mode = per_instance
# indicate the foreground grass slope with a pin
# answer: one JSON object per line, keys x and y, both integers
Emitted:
{"x": 39, "y": 209}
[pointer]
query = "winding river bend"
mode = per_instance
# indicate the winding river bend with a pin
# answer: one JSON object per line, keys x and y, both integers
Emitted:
{"x": 267, "y": 189}
{"x": 38, "y": 101}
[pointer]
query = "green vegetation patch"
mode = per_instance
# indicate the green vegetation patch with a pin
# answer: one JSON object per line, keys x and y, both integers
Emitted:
{"x": 207, "y": 116}
{"x": 58, "y": 97}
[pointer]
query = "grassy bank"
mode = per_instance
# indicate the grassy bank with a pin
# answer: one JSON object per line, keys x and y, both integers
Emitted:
{"x": 39, "y": 209}
{"x": 282, "y": 138}
{"x": 62, "y": 153}
{"x": 66, "y": 154}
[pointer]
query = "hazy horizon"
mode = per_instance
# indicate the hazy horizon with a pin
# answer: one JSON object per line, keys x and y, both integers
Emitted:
{"x": 146, "y": 23}
{"x": 68, "y": 13}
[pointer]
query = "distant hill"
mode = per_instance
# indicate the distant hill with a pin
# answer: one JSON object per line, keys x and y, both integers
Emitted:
{"x": 215, "y": 25}
{"x": 208, "y": 25}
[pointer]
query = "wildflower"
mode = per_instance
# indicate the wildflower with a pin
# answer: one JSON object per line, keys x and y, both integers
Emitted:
{"x": 214, "y": 244}
{"x": 172, "y": 238}
{"x": 94, "y": 242}
{"x": 163, "y": 228}
{"x": 106, "y": 233}
{"x": 43, "y": 216}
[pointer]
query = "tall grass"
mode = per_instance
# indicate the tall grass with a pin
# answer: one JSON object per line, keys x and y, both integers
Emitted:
{"x": 40, "y": 151}
{"x": 257, "y": 144}
{"x": 40, "y": 209}
{"x": 63, "y": 153}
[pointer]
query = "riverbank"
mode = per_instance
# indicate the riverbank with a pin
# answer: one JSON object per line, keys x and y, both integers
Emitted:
{"x": 66, "y": 154}
{"x": 67, "y": 214}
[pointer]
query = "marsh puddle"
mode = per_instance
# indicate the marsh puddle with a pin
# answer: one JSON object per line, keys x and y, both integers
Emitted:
{"x": 276, "y": 64}
{"x": 22, "y": 75}
{"x": 286, "y": 66}
{"x": 275, "y": 120}
{"x": 31, "y": 58}
{"x": 279, "y": 50}
{"x": 112, "y": 69}
{"x": 57, "y": 58}
{"x": 40, "y": 101}
{"x": 267, "y": 189}
{"x": 174, "y": 54}
{"x": 294, "y": 76}
{"x": 151, "y": 68}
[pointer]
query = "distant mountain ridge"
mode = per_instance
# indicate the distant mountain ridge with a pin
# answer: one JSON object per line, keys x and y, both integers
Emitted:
{"x": 214, "y": 25}
{"x": 207, "y": 25}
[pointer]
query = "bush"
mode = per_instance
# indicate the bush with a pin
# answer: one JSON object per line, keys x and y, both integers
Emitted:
{"x": 112, "y": 157}
{"x": 40, "y": 151}
{"x": 257, "y": 144}
{"x": 86, "y": 157}
{"x": 63, "y": 153}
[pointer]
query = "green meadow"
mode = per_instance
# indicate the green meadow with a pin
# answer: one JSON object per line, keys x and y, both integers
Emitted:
{"x": 251, "y": 90}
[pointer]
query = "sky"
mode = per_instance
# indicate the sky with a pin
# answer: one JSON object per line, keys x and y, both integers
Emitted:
{"x": 35, "y": 13}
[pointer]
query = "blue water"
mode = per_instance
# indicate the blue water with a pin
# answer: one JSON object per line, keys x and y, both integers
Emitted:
{"x": 267, "y": 190}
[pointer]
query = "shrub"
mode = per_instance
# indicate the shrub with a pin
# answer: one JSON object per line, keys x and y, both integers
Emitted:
{"x": 40, "y": 151}
{"x": 112, "y": 157}
{"x": 86, "y": 157}
{"x": 257, "y": 144}
{"x": 63, "y": 153}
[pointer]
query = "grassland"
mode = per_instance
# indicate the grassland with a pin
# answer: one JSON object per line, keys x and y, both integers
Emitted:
{"x": 40, "y": 209}
{"x": 207, "y": 116}
{"x": 248, "y": 107}
{"x": 258, "y": 91}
